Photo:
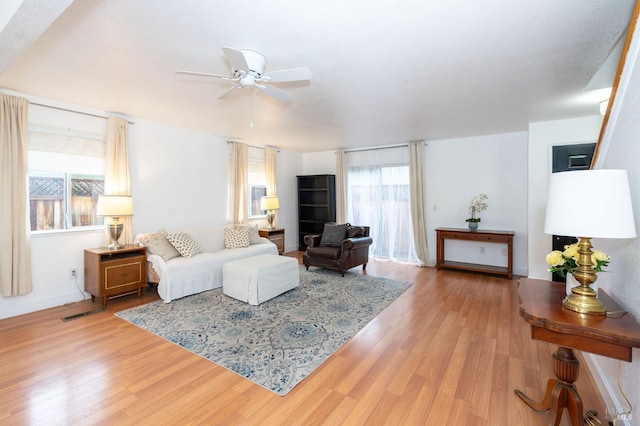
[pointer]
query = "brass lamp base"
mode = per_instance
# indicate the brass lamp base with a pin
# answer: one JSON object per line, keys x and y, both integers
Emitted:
{"x": 115, "y": 230}
{"x": 583, "y": 299}
{"x": 271, "y": 215}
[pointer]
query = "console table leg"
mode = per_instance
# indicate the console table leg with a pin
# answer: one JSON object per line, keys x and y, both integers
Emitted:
{"x": 561, "y": 392}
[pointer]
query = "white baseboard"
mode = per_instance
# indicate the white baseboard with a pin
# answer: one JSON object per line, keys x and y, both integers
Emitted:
{"x": 28, "y": 306}
{"x": 605, "y": 374}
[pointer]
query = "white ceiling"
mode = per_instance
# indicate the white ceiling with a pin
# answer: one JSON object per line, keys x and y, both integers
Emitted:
{"x": 383, "y": 72}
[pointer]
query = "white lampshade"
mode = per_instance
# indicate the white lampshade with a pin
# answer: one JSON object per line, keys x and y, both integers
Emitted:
{"x": 269, "y": 203}
{"x": 590, "y": 204}
{"x": 115, "y": 205}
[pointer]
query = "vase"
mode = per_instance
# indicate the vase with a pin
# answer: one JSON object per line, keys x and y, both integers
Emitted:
{"x": 473, "y": 225}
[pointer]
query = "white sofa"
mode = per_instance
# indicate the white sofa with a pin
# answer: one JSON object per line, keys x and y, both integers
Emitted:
{"x": 182, "y": 276}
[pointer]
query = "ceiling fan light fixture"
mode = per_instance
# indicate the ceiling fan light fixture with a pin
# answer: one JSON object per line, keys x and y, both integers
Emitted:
{"x": 255, "y": 61}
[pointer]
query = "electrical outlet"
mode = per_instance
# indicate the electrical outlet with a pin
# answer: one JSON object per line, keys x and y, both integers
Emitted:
{"x": 483, "y": 250}
{"x": 73, "y": 273}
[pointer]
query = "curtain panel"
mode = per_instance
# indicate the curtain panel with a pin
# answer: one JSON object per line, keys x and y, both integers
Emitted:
{"x": 117, "y": 177}
{"x": 270, "y": 173}
{"x": 417, "y": 200}
{"x": 342, "y": 185}
{"x": 15, "y": 237}
{"x": 238, "y": 182}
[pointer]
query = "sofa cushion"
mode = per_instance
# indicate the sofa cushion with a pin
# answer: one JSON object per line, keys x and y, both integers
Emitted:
{"x": 325, "y": 252}
{"x": 184, "y": 243}
{"x": 157, "y": 243}
{"x": 333, "y": 234}
{"x": 236, "y": 237}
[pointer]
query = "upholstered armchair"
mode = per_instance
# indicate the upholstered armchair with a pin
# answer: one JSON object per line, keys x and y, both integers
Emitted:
{"x": 339, "y": 247}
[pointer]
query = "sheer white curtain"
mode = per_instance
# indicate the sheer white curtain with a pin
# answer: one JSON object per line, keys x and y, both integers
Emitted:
{"x": 238, "y": 182}
{"x": 117, "y": 177}
{"x": 15, "y": 237}
{"x": 342, "y": 173}
{"x": 418, "y": 211}
{"x": 378, "y": 196}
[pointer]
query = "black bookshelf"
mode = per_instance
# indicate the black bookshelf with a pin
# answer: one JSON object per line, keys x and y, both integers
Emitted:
{"x": 316, "y": 204}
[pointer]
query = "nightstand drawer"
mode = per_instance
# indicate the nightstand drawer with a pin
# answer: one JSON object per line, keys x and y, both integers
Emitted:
{"x": 122, "y": 275}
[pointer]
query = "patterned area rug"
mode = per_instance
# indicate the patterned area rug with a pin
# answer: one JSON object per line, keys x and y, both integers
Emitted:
{"x": 280, "y": 342}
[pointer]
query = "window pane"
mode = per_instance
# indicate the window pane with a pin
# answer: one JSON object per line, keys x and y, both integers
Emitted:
{"x": 46, "y": 200}
{"x": 84, "y": 199}
{"x": 256, "y": 193}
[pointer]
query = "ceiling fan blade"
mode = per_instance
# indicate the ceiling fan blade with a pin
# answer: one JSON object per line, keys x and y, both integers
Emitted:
{"x": 275, "y": 93}
{"x": 204, "y": 74}
{"x": 230, "y": 92}
{"x": 291, "y": 74}
{"x": 236, "y": 58}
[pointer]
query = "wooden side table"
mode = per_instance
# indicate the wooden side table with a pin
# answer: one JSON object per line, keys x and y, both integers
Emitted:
{"x": 612, "y": 336}
{"x": 276, "y": 236}
{"x": 481, "y": 236}
{"x": 110, "y": 273}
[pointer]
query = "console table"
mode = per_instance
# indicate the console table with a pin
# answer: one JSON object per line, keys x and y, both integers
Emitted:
{"x": 612, "y": 336}
{"x": 482, "y": 236}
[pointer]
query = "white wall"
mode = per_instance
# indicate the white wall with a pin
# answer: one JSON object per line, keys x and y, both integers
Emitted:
{"x": 621, "y": 150}
{"x": 542, "y": 137}
{"x": 179, "y": 178}
{"x": 457, "y": 170}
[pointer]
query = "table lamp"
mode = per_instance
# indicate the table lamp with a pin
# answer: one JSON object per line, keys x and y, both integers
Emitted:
{"x": 270, "y": 204}
{"x": 589, "y": 204}
{"x": 115, "y": 206}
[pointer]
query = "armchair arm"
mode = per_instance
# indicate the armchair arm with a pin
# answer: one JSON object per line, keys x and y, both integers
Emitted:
{"x": 312, "y": 240}
{"x": 356, "y": 243}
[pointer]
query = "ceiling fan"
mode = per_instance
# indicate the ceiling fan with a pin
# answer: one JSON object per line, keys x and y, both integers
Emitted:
{"x": 248, "y": 71}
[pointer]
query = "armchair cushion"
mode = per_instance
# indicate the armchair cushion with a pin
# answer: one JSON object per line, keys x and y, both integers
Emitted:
{"x": 333, "y": 234}
{"x": 324, "y": 252}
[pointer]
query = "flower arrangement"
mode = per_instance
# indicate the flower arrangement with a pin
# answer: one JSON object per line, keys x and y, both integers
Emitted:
{"x": 477, "y": 205}
{"x": 564, "y": 262}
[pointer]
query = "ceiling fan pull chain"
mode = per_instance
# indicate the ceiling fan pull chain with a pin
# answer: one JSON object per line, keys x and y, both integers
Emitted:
{"x": 251, "y": 110}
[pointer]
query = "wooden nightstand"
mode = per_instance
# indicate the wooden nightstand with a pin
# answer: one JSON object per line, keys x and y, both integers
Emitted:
{"x": 110, "y": 273}
{"x": 276, "y": 236}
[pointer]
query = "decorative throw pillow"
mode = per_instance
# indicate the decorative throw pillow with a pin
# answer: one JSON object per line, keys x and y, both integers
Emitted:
{"x": 157, "y": 243}
{"x": 236, "y": 237}
{"x": 184, "y": 243}
{"x": 355, "y": 232}
{"x": 333, "y": 234}
{"x": 254, "y": 236}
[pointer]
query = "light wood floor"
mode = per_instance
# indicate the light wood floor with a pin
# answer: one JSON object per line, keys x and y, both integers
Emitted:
{"x": 449, "y": 351}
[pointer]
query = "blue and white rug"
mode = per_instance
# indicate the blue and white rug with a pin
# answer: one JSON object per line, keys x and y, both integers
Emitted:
{"x": 280, "y": 342}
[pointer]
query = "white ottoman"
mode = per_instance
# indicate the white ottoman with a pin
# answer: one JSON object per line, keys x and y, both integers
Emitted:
{"x": 259, "y": 278}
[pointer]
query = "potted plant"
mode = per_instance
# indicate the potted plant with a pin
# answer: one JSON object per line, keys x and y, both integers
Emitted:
{"x": 477, "y": 205}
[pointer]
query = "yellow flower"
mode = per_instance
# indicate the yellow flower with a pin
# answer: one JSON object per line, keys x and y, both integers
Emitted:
{"x": 598, "y": 255}
{"x": 555, "y": 258}
{"x": 571, "y": 251}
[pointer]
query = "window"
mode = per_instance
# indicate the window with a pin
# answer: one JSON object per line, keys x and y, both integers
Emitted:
{"x": 66, "y": 176}
{"x": 378, "y": 196}
{"x": 257, "y": 182}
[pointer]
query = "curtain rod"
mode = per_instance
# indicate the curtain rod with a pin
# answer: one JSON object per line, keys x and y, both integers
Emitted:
{"x": 380, "y": 147}
{"x": 253, "y": 146}
{"x": 74, "y": 111}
